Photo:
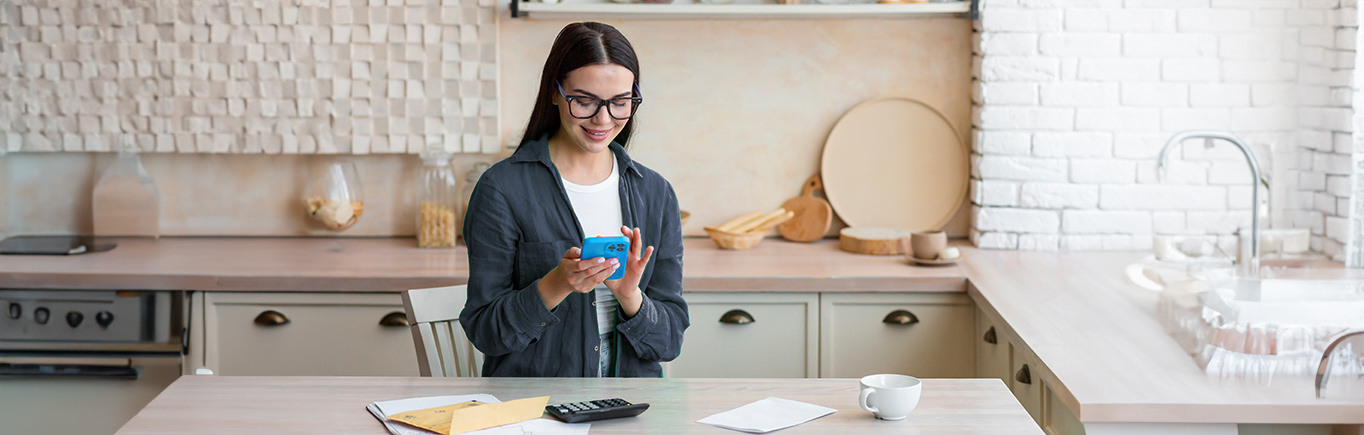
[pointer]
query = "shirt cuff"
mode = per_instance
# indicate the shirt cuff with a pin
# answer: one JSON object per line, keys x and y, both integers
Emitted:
{"x": 638, "y": 326}
{"x": 532, "y": 308}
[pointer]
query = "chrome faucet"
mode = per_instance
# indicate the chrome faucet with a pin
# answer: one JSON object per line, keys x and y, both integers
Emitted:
{"x": 1249, "y": 267}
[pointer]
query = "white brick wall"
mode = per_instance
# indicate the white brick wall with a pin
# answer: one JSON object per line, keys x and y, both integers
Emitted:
{"x": 1078, "y": 98}
{"x": 1353, "y": 208}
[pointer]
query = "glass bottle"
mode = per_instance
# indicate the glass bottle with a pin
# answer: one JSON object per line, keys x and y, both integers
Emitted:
{"x": 470, "y": 179}
{"x": 437, "y": 199}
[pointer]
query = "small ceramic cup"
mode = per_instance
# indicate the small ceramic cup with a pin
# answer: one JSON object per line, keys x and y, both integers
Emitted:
{"x": 926, "y": 245}
{"x": 889, "y": 397}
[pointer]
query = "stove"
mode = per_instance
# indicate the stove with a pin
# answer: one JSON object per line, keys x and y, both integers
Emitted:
{"x": 38, "y": 316}
{"x": 100, "y": 354}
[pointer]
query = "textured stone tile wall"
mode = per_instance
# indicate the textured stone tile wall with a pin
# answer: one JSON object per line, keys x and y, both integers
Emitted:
{"x": 259, "y": 76}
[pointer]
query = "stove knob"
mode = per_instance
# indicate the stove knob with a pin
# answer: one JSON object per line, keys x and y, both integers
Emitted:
{"x": 15, "y": 310}
{"x": 41, "y": 315}
{"x": 104, "y": 318}
{"x": 74, "y": 318}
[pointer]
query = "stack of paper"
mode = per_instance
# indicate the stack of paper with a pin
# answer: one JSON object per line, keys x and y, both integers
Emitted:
{"x": 767, "y": 415}
{"x": 381, "y": 411}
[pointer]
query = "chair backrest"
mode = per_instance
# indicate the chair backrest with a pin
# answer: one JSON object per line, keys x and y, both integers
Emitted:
{"x": 442, "y": 348}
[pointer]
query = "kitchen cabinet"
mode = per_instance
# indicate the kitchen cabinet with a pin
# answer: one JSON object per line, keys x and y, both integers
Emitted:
{"x": 750, "y": 335}
{"x": 1057, "y": 418}
{"x": 992, "y": 348}
{"x": 829, "y": 334}
{"x": 1001, "y": 354}
{"x": 312, "y": 334}
{"x": 1025, "y": 382}
{"x": 927, "y": 335}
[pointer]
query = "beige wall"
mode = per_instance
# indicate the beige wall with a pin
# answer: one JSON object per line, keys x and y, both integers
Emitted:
{"x": 736, "y": 112}
{"x": 736, "y": 115}
{"x": 213, "y": 194}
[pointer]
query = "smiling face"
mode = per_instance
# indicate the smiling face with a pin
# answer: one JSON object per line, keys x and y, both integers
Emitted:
{"x": 605, "y": 82}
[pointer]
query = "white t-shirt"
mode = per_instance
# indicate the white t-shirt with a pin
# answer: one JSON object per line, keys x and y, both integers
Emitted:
{"x": 598, "y": 209}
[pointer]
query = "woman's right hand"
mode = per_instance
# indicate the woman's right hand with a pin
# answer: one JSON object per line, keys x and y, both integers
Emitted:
{"x": 574, "y": 275}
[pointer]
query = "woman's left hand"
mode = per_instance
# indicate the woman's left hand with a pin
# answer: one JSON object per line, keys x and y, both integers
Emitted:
{"x": 626, "y": 288}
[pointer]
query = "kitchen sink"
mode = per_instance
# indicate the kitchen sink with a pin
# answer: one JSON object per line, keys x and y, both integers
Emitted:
{"x": 1260, "y": 329}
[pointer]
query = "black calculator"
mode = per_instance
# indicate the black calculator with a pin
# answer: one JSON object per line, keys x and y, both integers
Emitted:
{"x": 592, "y": 410}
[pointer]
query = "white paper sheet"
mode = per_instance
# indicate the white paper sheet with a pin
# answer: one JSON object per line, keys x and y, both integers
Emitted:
{"x": 539, "y": 426}
{"x": 767, "y": 415}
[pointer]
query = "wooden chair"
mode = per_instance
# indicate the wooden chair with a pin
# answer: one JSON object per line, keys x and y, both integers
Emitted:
{"x": 442, "y": 348}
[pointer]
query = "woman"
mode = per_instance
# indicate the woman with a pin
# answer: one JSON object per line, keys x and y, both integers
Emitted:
{"x": 535, "y": 308}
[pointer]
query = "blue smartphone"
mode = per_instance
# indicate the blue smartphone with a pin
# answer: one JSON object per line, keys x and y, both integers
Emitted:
{"x": 616, "y": 247}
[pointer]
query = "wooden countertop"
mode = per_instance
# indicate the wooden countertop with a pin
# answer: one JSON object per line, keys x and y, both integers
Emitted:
{"x": 234, "y": 404}
{"x": 396, "y": 264}
{"x": 1101, "y": 348}
{"x": 1099, "y": 335}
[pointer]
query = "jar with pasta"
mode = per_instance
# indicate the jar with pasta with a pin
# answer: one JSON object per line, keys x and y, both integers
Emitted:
{"x": 437, "y": 200}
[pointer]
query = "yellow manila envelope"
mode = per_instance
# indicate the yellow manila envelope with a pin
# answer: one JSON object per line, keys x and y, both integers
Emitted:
{"x": 471, "y": 416}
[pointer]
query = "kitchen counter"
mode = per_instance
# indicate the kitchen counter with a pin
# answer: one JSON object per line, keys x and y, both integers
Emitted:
{"x": 395, "y": 264}
{"x": 1100, "y": 346}
{"x": 1105, "y": 355}
{"x": 246, "y": 404}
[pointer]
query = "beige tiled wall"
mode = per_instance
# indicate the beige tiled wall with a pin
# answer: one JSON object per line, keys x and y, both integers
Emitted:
{"x": 262, "y": 76}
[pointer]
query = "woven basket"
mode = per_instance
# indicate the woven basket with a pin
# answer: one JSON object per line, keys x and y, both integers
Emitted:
{"x": 735, "y": 241}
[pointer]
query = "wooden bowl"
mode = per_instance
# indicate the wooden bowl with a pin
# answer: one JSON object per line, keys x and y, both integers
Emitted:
{"x": 735, "y": 241}
{"x": 685, "y": 215}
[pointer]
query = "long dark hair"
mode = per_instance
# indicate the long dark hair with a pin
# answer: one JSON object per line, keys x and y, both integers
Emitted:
{"x": 579, "y": 45}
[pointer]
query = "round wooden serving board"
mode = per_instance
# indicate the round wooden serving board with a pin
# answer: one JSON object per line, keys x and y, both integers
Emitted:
{"x": 894, "y": 163}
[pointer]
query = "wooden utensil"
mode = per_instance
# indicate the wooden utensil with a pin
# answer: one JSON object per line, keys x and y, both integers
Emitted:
{"x": 812, "y": 215}
{"x": 872, "y": 240}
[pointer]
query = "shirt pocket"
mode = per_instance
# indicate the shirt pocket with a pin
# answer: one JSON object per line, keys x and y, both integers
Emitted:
{"x": 535, "y": 259}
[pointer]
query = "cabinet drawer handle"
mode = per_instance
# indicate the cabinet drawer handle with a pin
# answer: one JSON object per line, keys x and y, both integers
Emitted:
{"x": 271, "y": 318}
{"x": 900, "y": 317}
{"x": 396, "y": 318}
{"x": 1023, "y": 376}
{"x": 736, "y": 317}
{"x": 990, "y": 336}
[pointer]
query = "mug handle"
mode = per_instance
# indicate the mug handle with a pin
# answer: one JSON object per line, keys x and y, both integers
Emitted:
{"x": 862, "y": 401}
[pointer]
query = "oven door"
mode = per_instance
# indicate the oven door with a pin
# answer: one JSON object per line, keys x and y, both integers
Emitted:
{"x": 87, "y": 393}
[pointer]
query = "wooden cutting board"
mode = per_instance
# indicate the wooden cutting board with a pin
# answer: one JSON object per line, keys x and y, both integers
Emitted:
{"x": 872, "y": 240}
{"x": 812, "y": 215}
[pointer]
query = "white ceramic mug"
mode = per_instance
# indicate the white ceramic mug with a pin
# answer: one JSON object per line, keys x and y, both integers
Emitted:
{"x": 890, "y": 397}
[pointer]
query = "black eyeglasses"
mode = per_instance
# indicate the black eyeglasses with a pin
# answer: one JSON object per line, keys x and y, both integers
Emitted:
{"x": 584, "y": 107}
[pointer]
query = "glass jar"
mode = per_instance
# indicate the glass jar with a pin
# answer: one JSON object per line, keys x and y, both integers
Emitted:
{"x": 437, "y": 199}
{"x": 470, "y": 180}
{"x": 334, "y": 198}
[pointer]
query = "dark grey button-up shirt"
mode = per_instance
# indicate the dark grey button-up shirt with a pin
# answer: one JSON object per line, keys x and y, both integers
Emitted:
{"x": 518, "y": 225}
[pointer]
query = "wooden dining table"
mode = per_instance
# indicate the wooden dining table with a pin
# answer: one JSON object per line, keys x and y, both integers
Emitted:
{"x": 335, "y": 405}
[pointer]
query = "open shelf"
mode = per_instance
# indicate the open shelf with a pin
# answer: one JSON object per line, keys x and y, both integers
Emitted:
{"x": 735, "y": 11}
